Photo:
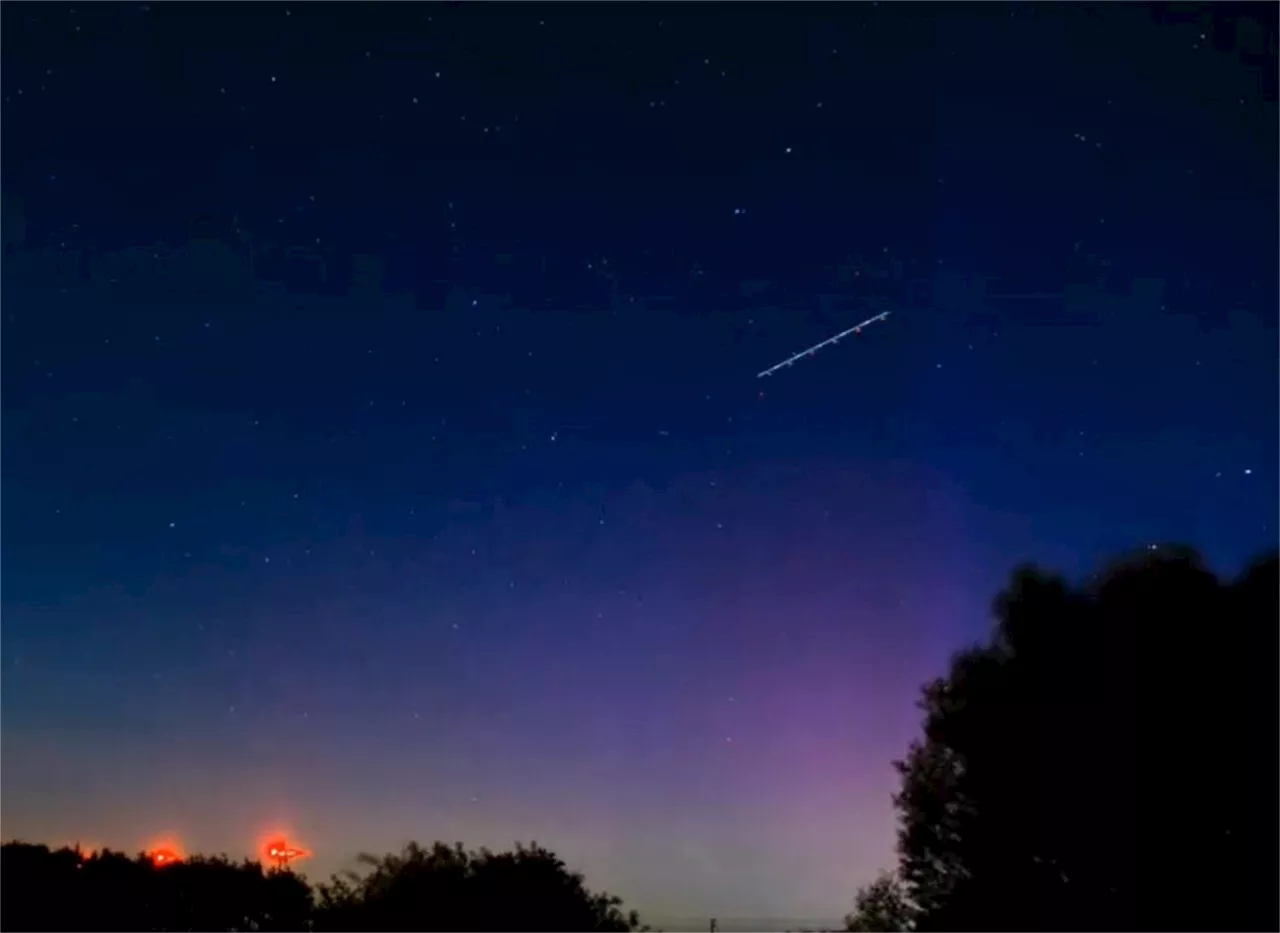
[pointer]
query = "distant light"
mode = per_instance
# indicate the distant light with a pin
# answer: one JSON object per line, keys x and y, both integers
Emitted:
{"x": 164, "y": 856}
{"x": 283, "y": 853}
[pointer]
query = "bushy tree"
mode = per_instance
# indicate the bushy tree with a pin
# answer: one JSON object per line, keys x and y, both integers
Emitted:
{"x": 450, "y": 888}
{"x": 1107, "y": 760}
{"x": 882, "y": 907}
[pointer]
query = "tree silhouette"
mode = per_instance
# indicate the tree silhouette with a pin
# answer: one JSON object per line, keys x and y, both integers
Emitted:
{"x": 451, "y": 888}
{"x": 441, "y": 888}
{"x": 66, "y": 890}
{"x": 1107, "y": 760}
{"x": 881, "y": 907}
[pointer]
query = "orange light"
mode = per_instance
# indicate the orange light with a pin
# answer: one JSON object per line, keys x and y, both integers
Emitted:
{"x": 164, "y": 851}
{"x": 161, "y": 857}
{"x": 282, "y": 853}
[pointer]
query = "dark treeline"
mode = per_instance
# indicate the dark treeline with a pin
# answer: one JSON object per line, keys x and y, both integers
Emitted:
{"x": 1106, "y": 760}
{"x": 440, "y": 888}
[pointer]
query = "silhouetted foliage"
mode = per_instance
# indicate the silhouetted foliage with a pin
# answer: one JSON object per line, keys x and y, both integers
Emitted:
{"x": 441, "y": 888}
{"x": 1108, "y": 760}
{"x": 450, "y": 888}
{"x": 881, "y": 907}
{"x": 66, "y": 890}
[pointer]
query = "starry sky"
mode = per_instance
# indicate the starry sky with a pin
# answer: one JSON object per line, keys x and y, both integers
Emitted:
{"x": 384, "y": 456}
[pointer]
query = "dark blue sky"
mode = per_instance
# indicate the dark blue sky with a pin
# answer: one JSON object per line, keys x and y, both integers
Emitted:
{"x": 384, "y": 455}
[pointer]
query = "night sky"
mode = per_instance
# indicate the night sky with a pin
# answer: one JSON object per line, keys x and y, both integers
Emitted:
{"x": 384, "y": 456}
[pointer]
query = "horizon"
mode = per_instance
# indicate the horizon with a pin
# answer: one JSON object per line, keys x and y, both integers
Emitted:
{"x": 670, "y": 923}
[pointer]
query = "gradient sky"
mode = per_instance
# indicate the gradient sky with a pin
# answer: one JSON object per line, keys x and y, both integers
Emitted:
{"x": 384, "y": 457}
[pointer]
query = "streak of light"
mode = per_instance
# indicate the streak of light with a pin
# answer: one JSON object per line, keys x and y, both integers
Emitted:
{"x": 855, "y": 329}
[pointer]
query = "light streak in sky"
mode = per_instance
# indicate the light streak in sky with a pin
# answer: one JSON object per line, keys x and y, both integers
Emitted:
{"x": 855, "y": 329}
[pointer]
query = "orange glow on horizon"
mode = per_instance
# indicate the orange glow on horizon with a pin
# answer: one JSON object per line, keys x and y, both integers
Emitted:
{"x": 165, "y": 851}
{"x": 162, "y": 857}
